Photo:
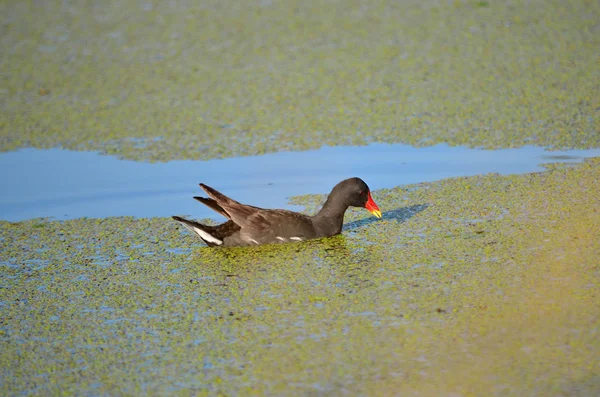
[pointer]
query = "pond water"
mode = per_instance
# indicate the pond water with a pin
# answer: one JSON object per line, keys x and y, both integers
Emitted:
{"x": 65, "y": 184}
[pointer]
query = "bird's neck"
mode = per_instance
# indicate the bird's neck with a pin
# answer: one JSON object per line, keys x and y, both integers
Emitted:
{"x": 329, "y": 220}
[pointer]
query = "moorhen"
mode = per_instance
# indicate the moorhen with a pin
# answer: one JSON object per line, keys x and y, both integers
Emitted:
{"x": 248, "y": 225}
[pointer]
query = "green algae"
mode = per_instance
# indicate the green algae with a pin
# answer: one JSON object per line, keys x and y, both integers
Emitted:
{"x": 482, "y": 285}
{"x": 187, "y": 80}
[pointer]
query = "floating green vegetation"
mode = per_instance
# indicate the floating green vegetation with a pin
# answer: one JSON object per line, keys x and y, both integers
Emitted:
{"x": 190, "y": 80}
{"x": 467, "y": 284}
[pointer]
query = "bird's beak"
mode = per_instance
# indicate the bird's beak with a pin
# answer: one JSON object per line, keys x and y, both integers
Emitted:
{"x": 372, "y": 207}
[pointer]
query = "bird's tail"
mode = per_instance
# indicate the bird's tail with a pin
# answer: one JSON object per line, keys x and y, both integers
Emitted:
{"x": 201, "y": 230}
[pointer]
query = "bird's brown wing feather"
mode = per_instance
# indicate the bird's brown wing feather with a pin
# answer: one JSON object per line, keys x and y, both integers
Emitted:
{"x": 234, "y": 210}
{"x": 266, "y": 225}
{"x": 225, "y": 230}
{"x": 212, "y": 204}
{"x": 262, "y": 225}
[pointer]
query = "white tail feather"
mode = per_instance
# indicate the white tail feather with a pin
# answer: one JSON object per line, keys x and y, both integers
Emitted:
{"x": 206, "y": 236}
{"x": 203, "y": 235}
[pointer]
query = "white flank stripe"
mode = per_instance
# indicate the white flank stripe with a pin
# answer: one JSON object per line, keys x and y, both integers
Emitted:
{"x": 207, "y": 237}
{"x": 254, "y": 241}
{"x": 280, "y": 238}
{"x": 296, "y": 238}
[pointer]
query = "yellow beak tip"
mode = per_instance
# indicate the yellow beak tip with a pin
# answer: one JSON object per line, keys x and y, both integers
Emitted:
{"x": 377, "y": 213}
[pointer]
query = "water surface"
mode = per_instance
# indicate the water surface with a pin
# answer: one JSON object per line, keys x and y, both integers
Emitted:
{"x": 66, "y": 184}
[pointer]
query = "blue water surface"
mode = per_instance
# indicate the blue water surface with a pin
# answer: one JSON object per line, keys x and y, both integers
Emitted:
{"x": 66, "y": 184}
